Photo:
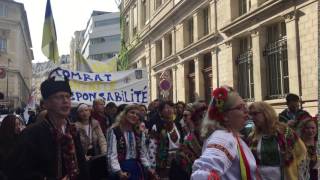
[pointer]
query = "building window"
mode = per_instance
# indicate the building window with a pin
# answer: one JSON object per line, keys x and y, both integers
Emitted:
{"x": 245, "y": 69}
{"x": 244, "y": 6}
{"x": 112, "y": 38}
{"x": 191, "y": 82}
{"x": 126, "y": 28}
{"x": 205, "y": 21}
{"x": 207, "y": 74}
{"x": 190, "y": 30}
{"x": 107, "y": 22}
{"x": 144, "y": 62}
{"x": 276, "y": 56}
{"x": 3, "y": 10}
{"x": 103, "y": 56}
{"x": 168, "y": 45}
{"x": 134, "y": 66}
{"x": 3, "y": 45}
{"x": 97, "y": 40}
{"x": 159, "y": 50}
{"x": 143, "y": 12}
{"x": 100, "y": 40}
{"x": 135, "y": 20}
{"x": 157, "y": 4}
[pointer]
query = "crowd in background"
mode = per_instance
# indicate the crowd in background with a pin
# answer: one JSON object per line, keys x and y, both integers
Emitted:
{"x": 161, "y": 141}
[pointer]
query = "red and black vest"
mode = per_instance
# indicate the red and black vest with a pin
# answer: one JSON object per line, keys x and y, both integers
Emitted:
{"x": 121, "y": 144}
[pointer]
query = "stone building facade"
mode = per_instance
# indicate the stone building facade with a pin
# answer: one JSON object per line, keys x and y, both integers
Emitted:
{"x": 40, "y": 72}
{"x": 263, "y": 48}
{"x": 15, "y": 55}
{"x": 99, "y": 41}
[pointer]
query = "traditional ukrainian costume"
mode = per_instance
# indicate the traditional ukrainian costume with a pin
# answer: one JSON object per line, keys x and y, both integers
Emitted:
{"x": 280, "y": 155}
{"x": 189, "y": 151}
{"x": 127, "y": 153}
{"x": 224, "y": 155}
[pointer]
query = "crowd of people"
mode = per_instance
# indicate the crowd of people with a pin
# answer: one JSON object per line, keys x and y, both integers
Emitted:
{"x": 197, "y": 141}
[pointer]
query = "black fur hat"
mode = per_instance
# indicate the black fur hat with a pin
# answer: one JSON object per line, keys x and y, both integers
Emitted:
{"x": 53, "y": 85}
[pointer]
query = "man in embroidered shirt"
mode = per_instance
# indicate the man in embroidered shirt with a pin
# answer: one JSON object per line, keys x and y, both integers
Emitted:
{"x": 50, "y": 149}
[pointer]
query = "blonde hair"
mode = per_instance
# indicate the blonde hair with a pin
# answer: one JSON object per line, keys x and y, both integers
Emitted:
{"x": 302, "y": 124}
{"x": 121, "y": 118}
{"x": 272, "y": 123}
{"x": 208, "y": 126}
{"x": 99, "y": 100}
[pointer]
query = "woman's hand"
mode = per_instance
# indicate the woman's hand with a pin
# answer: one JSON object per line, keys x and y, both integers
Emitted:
{"x": 123, "y": 175}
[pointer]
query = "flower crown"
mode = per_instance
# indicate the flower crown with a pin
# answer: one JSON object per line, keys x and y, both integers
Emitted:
{"x": 216, "y": 108}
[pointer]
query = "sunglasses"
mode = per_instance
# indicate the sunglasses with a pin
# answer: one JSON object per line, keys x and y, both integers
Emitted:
{"x": 241, "y": 107}
{"x": 186, "y": 115}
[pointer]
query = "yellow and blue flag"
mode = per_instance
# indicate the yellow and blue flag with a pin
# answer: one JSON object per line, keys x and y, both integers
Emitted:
{"x": 96, "y": 66}
{"x": 49, "y": 36}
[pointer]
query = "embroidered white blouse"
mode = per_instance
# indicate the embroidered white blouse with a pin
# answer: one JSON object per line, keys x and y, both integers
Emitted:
{"x": 220, "y": 153}
{"x": 112, "y": 155}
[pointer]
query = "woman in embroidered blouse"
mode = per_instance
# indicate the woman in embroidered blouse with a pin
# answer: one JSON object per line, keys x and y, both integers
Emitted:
{"x": 190, "y": 149}
{"x": 276, "y": 147}
{"x": 307, "y": 130}
{"x": 224, "y": 155}
{"x": 92, "y": 139}
{"x": 164, "y": 139}
{"x": 126, "y": 151}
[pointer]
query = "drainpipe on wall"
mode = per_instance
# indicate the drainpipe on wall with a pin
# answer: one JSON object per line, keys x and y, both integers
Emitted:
{"x": 296, "y": 18}
{"x": 149, "y": 74}
{"x": 216, "y": 32}
{"x": 318, "y": 143}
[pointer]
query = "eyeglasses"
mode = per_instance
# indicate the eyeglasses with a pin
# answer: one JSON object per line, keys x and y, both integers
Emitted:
{"x": 186, "y": 115}
{"x": 240, "y": 107}
{"x": 254, "y": 113}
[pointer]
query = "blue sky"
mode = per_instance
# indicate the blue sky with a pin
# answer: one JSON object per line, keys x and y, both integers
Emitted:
{"x": 69, "y": 16}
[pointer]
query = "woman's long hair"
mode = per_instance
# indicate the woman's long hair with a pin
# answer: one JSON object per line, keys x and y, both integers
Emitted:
{"x": 121, "y": 118}
{"x": 272, "y": 123}
{"x": 7, "y": 129}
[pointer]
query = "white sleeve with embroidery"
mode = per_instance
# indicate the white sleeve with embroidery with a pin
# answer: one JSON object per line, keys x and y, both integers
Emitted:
{"x": 112, "y": 154}
{"x": 217, "y": 156}
{"x": 144, "y": 152}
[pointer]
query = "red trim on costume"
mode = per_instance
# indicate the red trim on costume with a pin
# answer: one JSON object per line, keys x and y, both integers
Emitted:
{"x": 221, "y": 148}
{"x": 213, "y": 176}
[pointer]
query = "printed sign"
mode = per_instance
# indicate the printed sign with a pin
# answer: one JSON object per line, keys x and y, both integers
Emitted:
{"x": 122, "y": 87}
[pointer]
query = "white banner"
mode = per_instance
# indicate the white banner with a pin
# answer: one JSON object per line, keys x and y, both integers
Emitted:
{"x": 122, "y": 87}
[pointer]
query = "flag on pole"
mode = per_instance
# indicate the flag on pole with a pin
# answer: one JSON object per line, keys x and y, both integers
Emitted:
{"x": 49, "y": 36}
{"x": 97, "y": 66}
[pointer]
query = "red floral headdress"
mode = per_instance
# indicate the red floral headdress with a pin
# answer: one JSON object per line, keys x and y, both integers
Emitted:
{"x": 219, "y": 97}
